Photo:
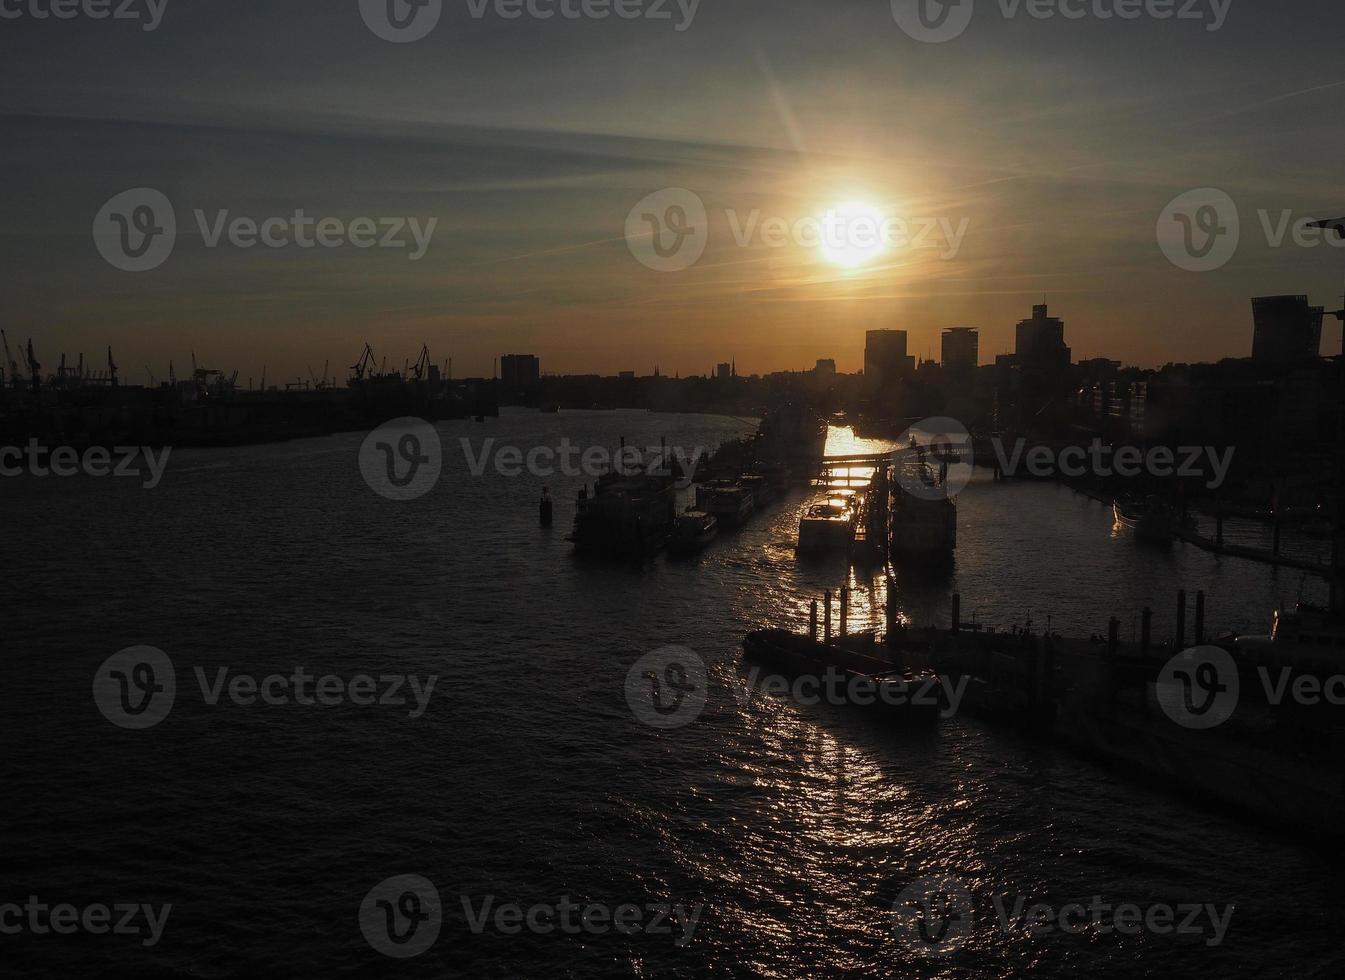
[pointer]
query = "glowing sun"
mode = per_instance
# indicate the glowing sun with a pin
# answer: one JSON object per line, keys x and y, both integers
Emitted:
{"x": 852, "y": 234}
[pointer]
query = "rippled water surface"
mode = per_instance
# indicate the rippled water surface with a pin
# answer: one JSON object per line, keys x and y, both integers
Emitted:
{"x": 529, "y": 778}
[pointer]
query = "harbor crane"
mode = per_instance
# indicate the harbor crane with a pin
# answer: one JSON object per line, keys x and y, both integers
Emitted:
{"x": 202, "y": 375}
{"x": 111, "y": 369}
{"x": 9, "y": 359}
{"x": 422, "y": 363}
{"x": 366, "y": 361}
{"x": 33, "y": 367}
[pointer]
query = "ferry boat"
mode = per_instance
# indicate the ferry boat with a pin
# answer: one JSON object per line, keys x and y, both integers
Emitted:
{"x": 1308, "y": 640}
{"x": 922, "y": 528}
{"x": 1151, "y": 519}
{"x": 864, "y": 678}
{"x": 692, "y": 532}
{"x": 627, "y": 515}
{"x": 729, "y": 501}
{"x": 828, "y": 525}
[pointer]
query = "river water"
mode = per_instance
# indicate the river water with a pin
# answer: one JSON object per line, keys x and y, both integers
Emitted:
{"x": 529, "y": 778}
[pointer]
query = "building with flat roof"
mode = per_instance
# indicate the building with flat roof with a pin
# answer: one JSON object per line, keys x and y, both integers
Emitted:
{"x": 519, "y": 372}
{"x": 1286, "y": 331}
{"x": 1039, "y": 342}
{"x": 885, "y": 358}
{"x": 961, "y": 349}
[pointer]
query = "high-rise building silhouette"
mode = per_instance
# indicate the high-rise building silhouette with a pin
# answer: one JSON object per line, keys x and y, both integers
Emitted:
{"x": 519, "y": 372}
{"x": 885, "y": 357}
{"x": 1039, "y": 342}
{"x": 1287, "y": 330}
{"x": 961, "y": 349}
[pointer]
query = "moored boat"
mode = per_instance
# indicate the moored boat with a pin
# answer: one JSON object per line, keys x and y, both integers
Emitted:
{"x": 627, "y": 515}
{"x": 728, "y": 501}
{"x": 828, "y": 525}
{"x": 1150, "y": 519}
{"x": 861, "y": 679}
{"x": 692, "y": 531}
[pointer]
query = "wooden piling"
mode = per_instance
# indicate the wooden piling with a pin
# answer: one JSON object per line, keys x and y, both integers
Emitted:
{"x": 1181, "y": 620}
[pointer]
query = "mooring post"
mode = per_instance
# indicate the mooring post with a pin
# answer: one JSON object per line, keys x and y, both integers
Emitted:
{"x": 826, "y": 616}
{"x": 1146, "y": 629}
{"x": 1199, "y": 637}
{"x": 845, "y": 609}
{"x": 1181, "y": 619}
{"x": 812, "y": 621}
{"x": 1113, "y": 637}
{"x": 957, "y": 612}
{"x": 891, "y": 612}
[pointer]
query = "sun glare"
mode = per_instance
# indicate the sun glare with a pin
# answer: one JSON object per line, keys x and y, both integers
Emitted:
{"x": 852, "y": 234}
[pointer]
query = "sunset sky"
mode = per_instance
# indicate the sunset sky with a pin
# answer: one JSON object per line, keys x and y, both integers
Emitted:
{"x": 1059, "y": 142}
